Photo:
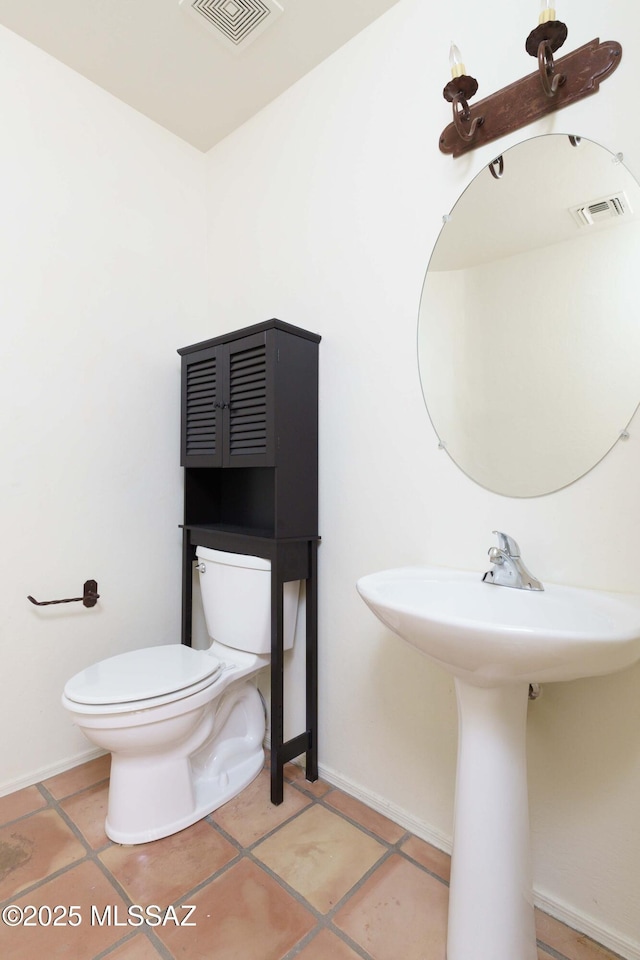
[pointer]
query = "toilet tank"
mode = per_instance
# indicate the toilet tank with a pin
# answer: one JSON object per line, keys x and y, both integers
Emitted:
{"x": 236, "y": 597}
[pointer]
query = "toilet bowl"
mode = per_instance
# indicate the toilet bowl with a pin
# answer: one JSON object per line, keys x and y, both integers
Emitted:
{"x": 185, "y": 727}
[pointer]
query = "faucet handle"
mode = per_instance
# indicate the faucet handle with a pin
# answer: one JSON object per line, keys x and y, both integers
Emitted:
{"x": 508, "y": 544}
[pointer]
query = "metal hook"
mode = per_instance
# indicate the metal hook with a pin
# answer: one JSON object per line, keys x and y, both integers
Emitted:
{"x": 496, "y": 167}
{"x": 89, "y": 597}
{"x": 550, "y": 79}
{"x": 462, "y": 116}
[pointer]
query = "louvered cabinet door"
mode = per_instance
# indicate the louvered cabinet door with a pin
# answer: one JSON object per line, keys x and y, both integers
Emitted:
{"x": 202, "y": 378}
{"x": 248, "y": 414}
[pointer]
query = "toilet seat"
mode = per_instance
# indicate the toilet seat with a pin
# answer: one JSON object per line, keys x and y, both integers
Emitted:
{"x": 147, "y": 677}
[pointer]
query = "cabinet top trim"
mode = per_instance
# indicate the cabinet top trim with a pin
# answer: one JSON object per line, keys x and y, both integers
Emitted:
{"x": 246, "y": 331}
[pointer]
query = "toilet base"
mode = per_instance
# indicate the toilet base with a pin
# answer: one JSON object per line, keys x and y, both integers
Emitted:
{"x": 154, "y": 793}
{"x": 209, "y": 795}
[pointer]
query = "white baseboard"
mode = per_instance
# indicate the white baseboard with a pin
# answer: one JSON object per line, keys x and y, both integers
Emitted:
{"x": 629, "y": 949}
{"x": 50, "y": 771}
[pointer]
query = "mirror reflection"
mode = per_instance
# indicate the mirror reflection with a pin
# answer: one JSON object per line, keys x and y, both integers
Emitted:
{"x": 528, "y": 343}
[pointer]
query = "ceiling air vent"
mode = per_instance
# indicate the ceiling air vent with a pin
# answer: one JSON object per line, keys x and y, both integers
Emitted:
{"x": 607, "y": 208}
{"x": 236, "y": 23}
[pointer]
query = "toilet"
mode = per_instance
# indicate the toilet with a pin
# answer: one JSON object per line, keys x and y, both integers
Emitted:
{"x": 185, "y": 727}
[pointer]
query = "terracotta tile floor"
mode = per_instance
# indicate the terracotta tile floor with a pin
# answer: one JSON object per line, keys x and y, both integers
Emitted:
{"x": 321, "y": 877}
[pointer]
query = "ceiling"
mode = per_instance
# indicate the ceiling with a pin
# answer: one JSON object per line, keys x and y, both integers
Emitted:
{"x": 168, "y": 65}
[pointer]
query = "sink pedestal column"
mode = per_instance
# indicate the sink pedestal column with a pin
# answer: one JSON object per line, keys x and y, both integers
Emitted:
{"x": 491, "y": 897}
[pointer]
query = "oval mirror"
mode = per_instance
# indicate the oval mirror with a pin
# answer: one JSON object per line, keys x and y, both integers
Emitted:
{"x": 528, "y": 340}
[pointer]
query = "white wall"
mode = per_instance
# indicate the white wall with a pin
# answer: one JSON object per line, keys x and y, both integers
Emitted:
{"x": 323, "y": 211}
{"x": 102, "y": 254}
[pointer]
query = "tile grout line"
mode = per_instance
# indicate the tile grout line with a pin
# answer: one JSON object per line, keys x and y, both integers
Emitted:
{"x": 553, "y": 952}
{"x": 115, "y": 946}
{"x": 62, "y": 813}
{"x": 44, "y": 790}
{"x": 311, "y": 936}
{"x": 395, "y": 846}
{"x": 30, "y": 888}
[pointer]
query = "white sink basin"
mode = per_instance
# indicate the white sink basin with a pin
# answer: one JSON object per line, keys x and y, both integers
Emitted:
{"x": 490, "y": 635}
{"x": 496, "y": 640}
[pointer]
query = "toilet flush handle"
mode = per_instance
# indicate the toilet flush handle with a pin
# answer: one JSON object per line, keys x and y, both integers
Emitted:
{"x": 201, "y": 567}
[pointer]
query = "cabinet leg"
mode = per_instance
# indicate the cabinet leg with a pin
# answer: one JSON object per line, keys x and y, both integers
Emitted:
{"x": 277, "y": 686}
{"x": 188, "y": 555}
{"x": 277, "y": 777}
{"x": 306, "y": 742}
{"x": 311, "y": 756}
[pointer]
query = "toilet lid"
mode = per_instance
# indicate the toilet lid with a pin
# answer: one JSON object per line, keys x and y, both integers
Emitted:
{"x": 142, "y": 674}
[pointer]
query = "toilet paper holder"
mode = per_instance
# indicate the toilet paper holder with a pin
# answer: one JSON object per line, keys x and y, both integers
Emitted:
{"x": 89, "y": 598}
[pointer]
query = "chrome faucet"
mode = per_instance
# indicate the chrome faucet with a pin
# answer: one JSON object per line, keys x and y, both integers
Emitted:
{"x": 508, "y": 570}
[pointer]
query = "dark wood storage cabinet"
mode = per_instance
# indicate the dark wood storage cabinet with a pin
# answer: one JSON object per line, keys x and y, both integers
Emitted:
{"x": 249, "y": 446}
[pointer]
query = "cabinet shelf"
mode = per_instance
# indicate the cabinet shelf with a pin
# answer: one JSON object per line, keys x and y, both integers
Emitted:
{"x": 240, "y": 533}
{"x": 202, "y": 529}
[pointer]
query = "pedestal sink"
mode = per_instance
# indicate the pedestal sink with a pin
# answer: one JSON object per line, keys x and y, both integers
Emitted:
{"x": 496, "y": 641}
